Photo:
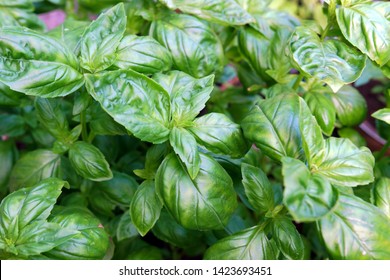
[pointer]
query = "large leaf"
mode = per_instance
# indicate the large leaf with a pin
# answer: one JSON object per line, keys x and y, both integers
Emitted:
{"x": 367, "y": 29}
{"x": 344, "y": 164}
{"x": 195, "y": 48}
{"x": 356, "y": 230}
{"x": 33, "y": 167}
{"x": 101, "y": 38}
{"x": 257, "y": 188}
{"x": 273, "y": 125}
{"x": 12, "y": 125}
{"x": 227, "y": 12}
{"x": 381, "y": 195}
{"x": 206, "y": 202}
{"x": 142, "y": 54}
{"x": 14, "y": 16}
{"x": 248, "y": 244}
{"x": 36, "y": 64}
{"x": 188, "y": 95}
{"x": 133, "y": 100}
{"x": 89, "y": 162}
{"x": 145, "y": 207}
{"x": 219, "y": 134}
{"x": 331, "y": 61}
{"x": 308, "y": 197}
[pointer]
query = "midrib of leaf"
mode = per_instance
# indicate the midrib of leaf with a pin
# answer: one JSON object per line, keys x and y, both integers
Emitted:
{"x": 251, "y": 240}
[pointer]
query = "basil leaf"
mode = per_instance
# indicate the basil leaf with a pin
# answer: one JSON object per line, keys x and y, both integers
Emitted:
{"x": 273, "y": 125}
{"x": 195, "y": 48}
{"x": 226, "y": 12}
{"x": 89, "y": 162}
{"x": 307, "y": 196}
{"x": 287, "y": 238}
{"x": 351, "y": 106}
{"x": 23, "y": 4}
{"x": 383, "y": 115}
{"x": 7, "y": 158}
{"x": 8, "y": 97}
{"x": 101, "y": 38}
{"x": 248, "y": 244}
{"x": 322, "y": 109}
{"x": 206, "y": 202}
{"x": 126, "y": 228}
{"x": 145, "y": 207}
{"x": 381, "y": 195}
{"x": 257, "y": 188}
{"x": 13, "y": 16}
{"x": 367, "y": 29}
{"x": 331, "y": 61}
{"x": 356, "y": 230}
{"x": 133, "y": 100}
{"x": 188, "y": 95}
{"x": 103, "y": 124}
{"x": 36, "y": 64}
{"x": 142, "y": 54}
{"x": 219, "y": 134}
{"x": 52, "y": 117}
{"x": 90, "y": 243}
{"x": 352, "y": 134}
{"x": 12, "y": 125}
{"x": 344, "y": 164}
{"x": 185, "y": 146}
{"x": 33, "y": 167}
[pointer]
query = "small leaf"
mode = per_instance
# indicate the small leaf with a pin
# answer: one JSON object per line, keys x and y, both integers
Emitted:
{"x": 383, "y": 115}
{"x": 101, "y": 38}
{"x": 126, "y": 228}
{"x": 308, "y": 197}
{"x": 248, "y": 244}
{"x": 52, "y": 117}
{"x": 89, "y": 162}
{"x": 257, "y": 188}
{"x": 145, "y": 207}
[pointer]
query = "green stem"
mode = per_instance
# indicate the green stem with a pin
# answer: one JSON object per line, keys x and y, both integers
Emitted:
{"x": 83, "y": 121}
{"x": 298, "y": 81}
{"x": 383, "y": 151}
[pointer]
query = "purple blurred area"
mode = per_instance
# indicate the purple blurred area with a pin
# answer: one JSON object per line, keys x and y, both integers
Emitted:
{"x": 53, "y": 18}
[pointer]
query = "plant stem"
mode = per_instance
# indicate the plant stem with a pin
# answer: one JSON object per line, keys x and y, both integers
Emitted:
{"x": 383, "y": 151}
{"x": 298, "y": 81}
{"x": 84, "y": 132}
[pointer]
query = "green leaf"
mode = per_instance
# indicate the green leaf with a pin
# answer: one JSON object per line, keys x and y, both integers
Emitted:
{"x": 101, "y": 38}
{"x": 307, "y": 196}
{"x": 8, "y": 97}
{"x": 103, "y": 124}
{"x": 331, "y": 61}
{"x": 226, "y": 12}
{"x": 367, "y": 29}
{"x": 13, "y": 16}
{"x": 133, "y": 100}
{"x": 287, "y": 238}
{"x": 248, "y": 244}
{"x": 273, "y": 125}
{"x": 219, "y": 134}
{"x": 356, "y": 230}
{"x": 257, "y": 188}
{"x": 91, "y": 243}
{"x": 206, "y": 202}
{"x": 383, "y": 115}
{"x": 33, "y": 167}
{"x": 185, "y": 146}
{"x": 89, "y": 162}
{"x": 52, "y": 117}
{"x": 23, "y": 4}
{"x": 344, "y": 164}
{"x": 351, "y": 106}
{"x": 381, "y": 195}
{"x": 352, "y": 134}
{"x": 188, "y": 95}
{"x": 145, "y": 207}
{"x": 12, "y": 125}
{"x": 142, "y": 54}
{"x": 36, "y": 64}
{"x": 195, "y": 48}
{"x": 7, "y": 158}
{"x": 126, "y": 228}
{"x": 322, "y": 108}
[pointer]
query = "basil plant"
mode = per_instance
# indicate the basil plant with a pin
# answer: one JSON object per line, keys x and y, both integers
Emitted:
{"x": 174, "y": 129}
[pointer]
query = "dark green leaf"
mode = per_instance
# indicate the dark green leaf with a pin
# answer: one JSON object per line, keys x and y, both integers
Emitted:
{"x": 145, "y": 207}
{"x": 89, "y": 162}
{"x": 36, "y": 64}
{"x": 33, "y": 167}
{"x": 206, "y": 202}
{"x": 308, "y": 197}
{"x": 103, "y": 124}
{"x": 142, "y": 54}
{"x": 12, "y": 125}
{"x": 52, "y": 117}
{"x": 195, "y": 48}
{"x": 101, "y": 38}
{"x": 356, "y": 230}
{"x": 257, "y": 188}
{"x": 126, "y": 228}
{"x": 133, "y": 100}
{"x": 8, "y": 97}
{"x": 7, "y": 158}
{"x": 219, "y": 134}
{"x": 249, "y": 244}
{"x": 331, "y": 61}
